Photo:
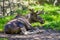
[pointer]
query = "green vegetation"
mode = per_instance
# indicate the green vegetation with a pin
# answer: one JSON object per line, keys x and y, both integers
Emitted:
{"x": 3, "y": 39}
{"x": 51, "y": 17}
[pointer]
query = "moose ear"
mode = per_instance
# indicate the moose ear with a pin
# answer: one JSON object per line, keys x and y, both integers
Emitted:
{"x": 31, "y": 10}
{"x": 40, "y": 12}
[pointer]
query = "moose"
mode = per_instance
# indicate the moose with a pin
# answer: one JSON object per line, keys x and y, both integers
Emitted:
{"x": 22, "y": 25}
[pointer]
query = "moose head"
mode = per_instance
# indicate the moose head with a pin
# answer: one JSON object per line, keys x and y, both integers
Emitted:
{"x": 33, "y": 16}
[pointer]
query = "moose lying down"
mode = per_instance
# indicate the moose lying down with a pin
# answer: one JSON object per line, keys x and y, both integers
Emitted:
{"x": 21, "y": 25}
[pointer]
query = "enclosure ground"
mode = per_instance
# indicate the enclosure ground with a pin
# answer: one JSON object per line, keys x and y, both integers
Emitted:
{"x": 41, "y": 36}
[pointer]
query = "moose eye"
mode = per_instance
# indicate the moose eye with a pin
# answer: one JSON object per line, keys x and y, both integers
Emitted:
{"x": 32, "y": 14}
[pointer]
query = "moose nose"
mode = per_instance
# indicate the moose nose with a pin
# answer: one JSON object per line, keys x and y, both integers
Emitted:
{"x": 42, "y": 21}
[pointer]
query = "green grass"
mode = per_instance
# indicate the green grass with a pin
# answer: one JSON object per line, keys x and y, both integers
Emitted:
{"x": 3, "y": 39}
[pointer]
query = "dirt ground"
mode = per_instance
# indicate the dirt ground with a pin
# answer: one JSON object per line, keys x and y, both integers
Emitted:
{"x": 43, "y": 35}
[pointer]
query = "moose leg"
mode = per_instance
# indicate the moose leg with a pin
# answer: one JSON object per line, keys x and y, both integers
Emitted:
{"x": 28, "y": 25}
{"x": 23, "y": 30}
{"x": 29, "y": 32}
{"x": 21, "y": 27}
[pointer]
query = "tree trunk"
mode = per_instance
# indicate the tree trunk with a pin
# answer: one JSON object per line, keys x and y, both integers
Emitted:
{"x": 3, "y": 9}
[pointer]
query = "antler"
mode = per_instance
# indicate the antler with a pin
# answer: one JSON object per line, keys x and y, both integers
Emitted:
{"x": 31, "y": 10}
{"x": 40, "y": 11}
